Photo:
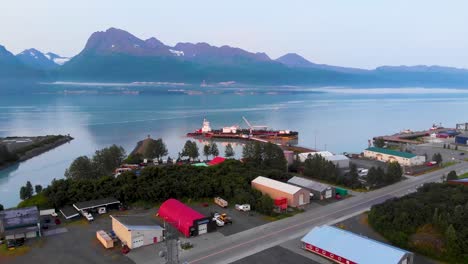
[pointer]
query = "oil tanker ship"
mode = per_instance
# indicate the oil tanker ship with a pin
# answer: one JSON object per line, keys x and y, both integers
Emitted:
{"x": 236, "y": 132}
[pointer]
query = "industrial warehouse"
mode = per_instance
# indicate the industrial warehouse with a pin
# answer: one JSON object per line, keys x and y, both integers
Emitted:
{"x": 319, "y": 191}
{"x": 20, "y": 223}
{"x": 388, "y": 155}
{"x": 296, "y": 196}
{"x": 352, "y": 248}
{"x": 188, "y": 221}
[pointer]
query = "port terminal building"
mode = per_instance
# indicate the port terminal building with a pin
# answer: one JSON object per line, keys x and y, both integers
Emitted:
{"x": 389, "y": 155}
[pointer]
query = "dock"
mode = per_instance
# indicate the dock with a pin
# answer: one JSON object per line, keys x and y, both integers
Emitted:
{"x": 411, "y": 137}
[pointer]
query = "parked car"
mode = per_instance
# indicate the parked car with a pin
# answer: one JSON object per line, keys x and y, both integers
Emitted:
{"x": 462, "y": 153}
{"x": 243, "y": 207}
{"x": 125, "y": 249}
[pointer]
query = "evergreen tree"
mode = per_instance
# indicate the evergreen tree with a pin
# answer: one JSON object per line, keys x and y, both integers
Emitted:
{"x": 155, "y": 149}
{"x": 1, "y": 207}
{"x": 379, "y": 142}
{"x": 29, "y": 189}
{"x": 206, "y": 151}
{"x": 437, "y": 157}
{"x": 26, "y": 192}
{"x": 214, "y": 150}
{"x": 452, "y": 244}
{"x": 229, "y": 151}
{"x": 38, "y": 189}
{"x": 452, "y": 175}
{"x": 394, "y": 172}
{"x": 81, "y": 168}
{"x": 106, "y": 160}
{"x": 190, "y": 150}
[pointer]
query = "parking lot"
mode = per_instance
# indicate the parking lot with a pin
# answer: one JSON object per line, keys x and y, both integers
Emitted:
{"x": 241, "y": 221}
{"x": 367, "y": 163}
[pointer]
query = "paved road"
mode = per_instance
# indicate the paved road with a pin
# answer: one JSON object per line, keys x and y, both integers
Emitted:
{"x": 246, "y": 243}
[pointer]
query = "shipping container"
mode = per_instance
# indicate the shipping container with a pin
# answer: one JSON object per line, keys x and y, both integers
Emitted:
{"x": 341, "y": 191}
{"x": 281, "y": 202}
{"x": 105, "y": 239}
{"x": 461, "y": 140}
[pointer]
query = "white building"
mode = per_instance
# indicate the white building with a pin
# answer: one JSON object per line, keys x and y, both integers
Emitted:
{"x": 389, "y": 155}
{"x": 137, "y": 231}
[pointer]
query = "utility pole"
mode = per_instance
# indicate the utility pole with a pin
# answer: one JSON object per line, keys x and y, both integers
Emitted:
{"x": 172, "y": 245}
{"x": 315, "y": 139}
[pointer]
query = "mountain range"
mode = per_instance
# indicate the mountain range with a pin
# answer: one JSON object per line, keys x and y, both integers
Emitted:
{"x": 116, "y": 55}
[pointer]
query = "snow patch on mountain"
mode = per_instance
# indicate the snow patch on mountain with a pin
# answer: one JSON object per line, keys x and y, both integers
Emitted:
{"x": 177, "y": 53}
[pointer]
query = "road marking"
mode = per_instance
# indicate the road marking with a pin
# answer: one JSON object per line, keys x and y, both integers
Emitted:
{"x": 423, "y": 180}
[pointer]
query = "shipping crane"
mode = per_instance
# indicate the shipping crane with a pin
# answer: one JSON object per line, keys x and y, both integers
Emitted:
{"x": 253, "y": 127}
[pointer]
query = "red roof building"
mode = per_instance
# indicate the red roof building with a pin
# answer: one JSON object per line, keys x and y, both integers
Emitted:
{"x": 188, "y": 221}
{"x": 216, "y": 161}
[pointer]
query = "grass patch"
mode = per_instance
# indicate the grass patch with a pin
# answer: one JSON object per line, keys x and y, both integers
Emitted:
{"x": 463, "y": 176}
{"x": 448, "y": 164}
{"x": 284, "y": 215}
{"x": 80, "y": 222}
{"x": 19, "y": 251}
{"x": 39, "y": 200}
{"x": 144, "y": 205}
{"x": 47, "y": 140}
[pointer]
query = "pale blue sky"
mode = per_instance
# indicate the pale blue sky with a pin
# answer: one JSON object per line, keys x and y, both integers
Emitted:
{"x": 358, "y": 33}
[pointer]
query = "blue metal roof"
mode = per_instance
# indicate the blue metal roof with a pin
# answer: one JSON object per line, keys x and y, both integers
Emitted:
{"x": 460, "y": 180}
{"x": 354, "y": 247}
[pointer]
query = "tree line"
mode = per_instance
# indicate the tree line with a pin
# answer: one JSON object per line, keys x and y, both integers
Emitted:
{"x": 230, "y": 180}
{"x": 27, "y": 191}
{"x": 317, "y": 167}
{"x": 6, "y": 156}
{"x": 92, "y": 178}
{"x": 103, "y": 162}
{"x": 437, "y": 210}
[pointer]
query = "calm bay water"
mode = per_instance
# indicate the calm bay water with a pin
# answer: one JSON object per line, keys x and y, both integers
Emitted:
{"x": 340, "y": 120}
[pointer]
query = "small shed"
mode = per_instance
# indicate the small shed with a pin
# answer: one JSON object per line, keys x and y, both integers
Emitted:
{"x": 296, "y": 196}
{"x": 319, "y": 190}
{"x": 69, "y": 212}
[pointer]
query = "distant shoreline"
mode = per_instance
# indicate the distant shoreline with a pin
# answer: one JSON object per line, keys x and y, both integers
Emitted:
{"x": 38, "y": 150}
